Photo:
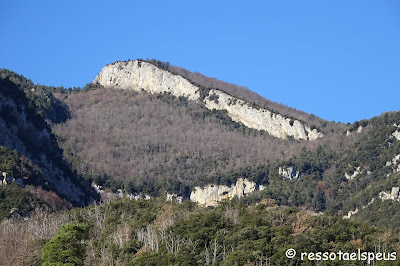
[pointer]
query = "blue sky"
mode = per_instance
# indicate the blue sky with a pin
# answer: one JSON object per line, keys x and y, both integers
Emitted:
{"x": 339, "y": 60}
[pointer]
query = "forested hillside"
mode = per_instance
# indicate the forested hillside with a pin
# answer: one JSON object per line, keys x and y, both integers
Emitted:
{"x": 237, "y": 91}
{"x": 149, "y": 142}
{"x": 31, "y": 157}
{"x": 338, "y": 192}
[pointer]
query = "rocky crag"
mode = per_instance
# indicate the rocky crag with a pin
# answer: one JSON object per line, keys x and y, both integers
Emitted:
{"x": 139, "y": 75}
{"x": 210, "y": 195}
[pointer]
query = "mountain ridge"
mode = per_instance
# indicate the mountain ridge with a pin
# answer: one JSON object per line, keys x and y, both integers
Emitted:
{"x": 263, "y": 195}
{"x": 170, "y": 158}
{"x": 137, "y": 75}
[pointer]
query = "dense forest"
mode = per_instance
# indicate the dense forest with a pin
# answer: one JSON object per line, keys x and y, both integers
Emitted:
{"x": 138, "y": 136}
{"x": 154, "y": 144}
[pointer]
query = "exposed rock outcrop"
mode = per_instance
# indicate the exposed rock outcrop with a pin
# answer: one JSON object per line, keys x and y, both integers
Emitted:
{"x": 351, "y": 213}
{"x": 396, "y": 134}
{"x": 259, "y": 118}
{"x": 354, "y": 174}
{"x": 394, "y": 163}
{"x": 390, "y": 195}
{"x": 138, "y": 75}
{"x": 289, "y": 172}
{"x": 174, "y": 197}
{"x": 210, "y": 195}
{"x": 119, "y": 194}
{"x": 7, "y": 179}
{"x": 359, "y": 131}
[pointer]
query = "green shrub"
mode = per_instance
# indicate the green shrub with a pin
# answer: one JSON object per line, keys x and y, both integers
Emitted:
{"x": 66, "y": 248}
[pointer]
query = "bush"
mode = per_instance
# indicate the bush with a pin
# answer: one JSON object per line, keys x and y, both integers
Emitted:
{"x": 66, "y": 248}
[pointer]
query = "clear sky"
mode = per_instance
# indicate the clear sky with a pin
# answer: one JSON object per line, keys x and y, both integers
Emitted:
{"x": 339, "y": 60}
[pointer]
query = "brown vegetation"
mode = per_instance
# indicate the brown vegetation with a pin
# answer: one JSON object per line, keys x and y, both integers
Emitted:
{"x": 160, "y": 139}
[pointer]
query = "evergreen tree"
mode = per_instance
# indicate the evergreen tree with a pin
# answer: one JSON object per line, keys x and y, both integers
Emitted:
{"x": 66, "y": 248}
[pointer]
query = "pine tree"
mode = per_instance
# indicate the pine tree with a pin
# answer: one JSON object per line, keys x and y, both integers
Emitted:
{"x": 66, "y": 248}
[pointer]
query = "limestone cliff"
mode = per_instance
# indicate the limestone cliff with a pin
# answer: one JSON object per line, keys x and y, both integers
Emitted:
{"x": 390, "y": 195}
{"x": 210, "y": 195}
{"x": 259, "y": 118}
{"x": 138, "y": 75}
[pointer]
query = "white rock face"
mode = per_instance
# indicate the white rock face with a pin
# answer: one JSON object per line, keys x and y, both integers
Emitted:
{"x": 394, "y": 163}
{"x": 356, "y": 172}
{"x": 261, "y": 119}
{"x": 210, "y": 195}
{"x": 351, "y": 213}
{"x": 174, "y": 197}
{"x": 289, "y": 172}
{"x": 396, "y": 135}
{"x": 135, "y": 75}
{"x": 392, "y": 195}
{"x": 359, "y": 131}
{"x": 7, "y": 179}
{"x": 119, "y": 194}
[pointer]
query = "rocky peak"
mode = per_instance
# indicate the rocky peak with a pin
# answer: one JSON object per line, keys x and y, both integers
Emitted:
{"x": 139, "y": 75}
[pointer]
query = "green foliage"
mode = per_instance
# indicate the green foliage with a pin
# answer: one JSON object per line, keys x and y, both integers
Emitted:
{"x": 204, "y": 92}
{"x": 382, "y": 214}
{"x": 312, "y": 189}
{"x": 232, "y": 233}
{"x": 16, "y": 201}
{"x": 40, "y": 97}
{"x": 66, "y": 248}
{"x": 157, "y": 63}
{"x": 260, "y": 234}
{"x": 371, "y": 153}
{"x": 9, "y": 161}
{"x": 25, "y": 115}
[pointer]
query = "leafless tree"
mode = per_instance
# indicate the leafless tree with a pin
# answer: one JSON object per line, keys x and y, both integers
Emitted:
{"x": 149, "y": 237}
{"x": 17, "y": 237}
{"x": 214, "y": 252}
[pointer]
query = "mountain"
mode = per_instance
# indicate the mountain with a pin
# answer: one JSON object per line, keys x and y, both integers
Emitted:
{"x": 164, "y": 143}
{"x": 156, "y": 137}
{"x": 146, "y": 128}
{"x": 138, "y": 75}
{"x": 30, "y": 155}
